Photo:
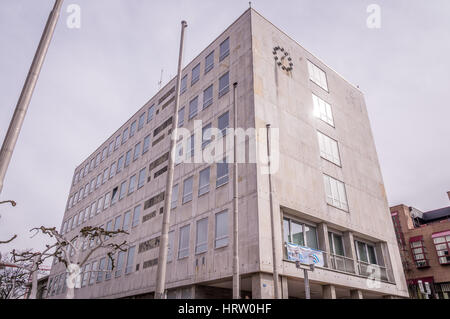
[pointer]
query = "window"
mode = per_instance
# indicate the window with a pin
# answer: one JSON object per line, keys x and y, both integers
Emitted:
{"x": 120, "y": 164}
{"x": 111, "y": 148}
{"x": 442, "y": 243}
{"x": 109, "y": 269}
{"x": 75, "y": 219}
{"x": 132, "y": 184}
{"x": 92, "y": 210}
{"x": 366, "y": 252}
{"x": 298, "y": 233}
{"x": 187, "y": 189}
{"x": 181, "y": 117}
{"x": 195, "y": 74}
{"x": 127, "y": 158}
{"x": 224, "y": 123}
{"x": 202, "y": 236}
{"x": 115, "y": 194}
{"x": 203, "y": 186}
{"x": 146, "y": 144}
{"x": 151, "y": 111}
{"x": 91, "y": 164}
{"x": 107, "y": 200}
{"x": 183, "y": 250}
{"x": 92, "y": 186}
{"x": 86, "y": 190}
{"x": 137, "y": 151}
{"x": 183, "y": 84}
{"x": 141, "y": 180}
{"x": 86, "y": 273}
{"x": 80, "y": 217}
{"x": 99, "y": 181}
{"x": 170, "y": 248}
{"x": 419, "y": 252}
{"x": 141, "y": 121}
{"x": 105, "y": 176}
{"x": 209, "y": 62}
{"x": 104, "y": 153}
{"x": 329, "y": 148}
{"x": 86, "y": 170}
{"x": 99, "y": 205}
{"x": 335, "y": 191}
{"x": 336, "y": 244}
{"x": 123, "y": 190}
{"x": 126, "y": 221}
{"x": 224, "y": 49}
{"x": 191, "y": 145}
{"x": 117, "y": 223}
{"x": 208, "y": 96}
{"x": 222, "y": 173}
{"x": 224, "y": 84}
{"x": 125, "y": 135}
{"x": 97, "y": 159}
{"x": 206, "y": 135}
{"x": 132, "y": 129}
{"x": 221, "y": 239}
{"x": 317, "y": 76}
{"x": 92, "y": 277}
{"x": 136, "y": 215}
{"x": 130, "y": 260}
{"x": 174, "y": 200}
{"x": 101, "y": 268}
{"x": 112, "y": 170}
{"x": 119, "y": 266}
{"x": 322, "y": 110}
{"x": 117, "y": 143}
{"x": 193, "y": 107}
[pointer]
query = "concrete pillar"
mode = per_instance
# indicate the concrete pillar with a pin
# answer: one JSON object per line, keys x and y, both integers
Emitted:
{"x": 349, "y": 246}
{"x": 324, "y": 243}
{"x": 356, "y": 294}
{"x": 329, "y": 292}
{"x": 262, "y": 286}
{"x": 284, "y": 288}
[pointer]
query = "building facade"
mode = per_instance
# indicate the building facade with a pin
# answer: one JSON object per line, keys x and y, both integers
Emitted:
{"x": 327, "y": 189}
{"x": 424, "y": 242}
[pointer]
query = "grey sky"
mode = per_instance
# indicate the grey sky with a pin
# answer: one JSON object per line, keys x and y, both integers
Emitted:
{"x": 96, "y": 77}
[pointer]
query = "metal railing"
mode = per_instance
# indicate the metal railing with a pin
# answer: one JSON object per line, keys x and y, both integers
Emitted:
{"x": 341, "y": 263}
{"x": 376, "y": 272}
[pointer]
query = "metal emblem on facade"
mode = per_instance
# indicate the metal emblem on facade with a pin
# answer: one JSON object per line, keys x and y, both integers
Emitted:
{"x": 283, "y": 59}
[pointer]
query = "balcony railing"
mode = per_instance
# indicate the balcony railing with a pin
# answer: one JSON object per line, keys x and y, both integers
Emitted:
{"x": 372, "y": 270}
{"x": 342, "y": 263}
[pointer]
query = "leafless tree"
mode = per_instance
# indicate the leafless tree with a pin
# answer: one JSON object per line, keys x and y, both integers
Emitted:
{"x": 13, "y": 279}
{"x": 70, "y": 251}
{"x": 13, "y": 204}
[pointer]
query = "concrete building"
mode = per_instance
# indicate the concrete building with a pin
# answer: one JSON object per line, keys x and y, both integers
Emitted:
{"x": 424, "y": 242}
{"x": 328, "y": 191}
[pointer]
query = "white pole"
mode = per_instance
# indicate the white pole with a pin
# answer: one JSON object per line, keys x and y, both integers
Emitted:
{"x": 236, "y": 279}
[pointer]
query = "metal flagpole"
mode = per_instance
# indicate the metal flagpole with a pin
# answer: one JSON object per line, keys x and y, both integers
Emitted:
{"x": 27, "y": 91}
{"x": 164, "y": 239}
{"x": 236, "y": 279}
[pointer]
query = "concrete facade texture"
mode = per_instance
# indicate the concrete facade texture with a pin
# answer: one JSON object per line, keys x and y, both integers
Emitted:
{"x": 266, "y": 94}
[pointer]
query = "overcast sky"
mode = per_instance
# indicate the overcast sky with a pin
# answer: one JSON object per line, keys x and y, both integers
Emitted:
{"x": 94, "y": 78}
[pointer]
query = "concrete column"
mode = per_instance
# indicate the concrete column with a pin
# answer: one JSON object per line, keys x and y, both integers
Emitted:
{"x": 356, "y": 294}
{"x": 324, "y": 243}
{"x": 329, "y": 292}
{"x": 349, "y": 246}
{"x": 262, "y": 286}
{"x": 284, "y": 288}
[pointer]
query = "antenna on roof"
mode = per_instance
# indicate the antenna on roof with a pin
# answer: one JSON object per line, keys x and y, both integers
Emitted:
{"x": 160, "y": 79}
{"x": 250, "y": 4}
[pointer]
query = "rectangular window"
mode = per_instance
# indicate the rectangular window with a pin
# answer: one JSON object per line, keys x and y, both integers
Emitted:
{"x": 80, "y": 217}
{"x": 201, "y": 244}
{"x": 92, "y": 186}
{"x": 115, "y": 195}
{"x": 97, "y": 159}
{"x": 105, "y": 176}
{"x": 112, "y": 170}
{"x": 206, "y": 135}
{"x": 111, "y": 148}
{"x": 119, "y": 266}
{"x": 223, "y": 123}
{"x": 120, "y": 164}
{"x": 329, "y": 148}
{"x": 299, "y": 233}
{"x": 125, "y": 135}
{"x": 191, "y": 145}
{"x": 208, "y": 96}
{"x": 123, "y": 190}
{"x": 117, "y": 143}
{"x": 209, "y": 62}
{"x": 136, "y": 215}
{"x": 104, "y": 153}
{"x": 193, "y": 107}
{"x": 222, "y": 173}
{"x": 99, "y": 205}
{"x": 99, "y": 181}
{"x": 419, "y": 252}
{"x": 336, "y": 244}
{"x": 107, "y": 201}
{"x": 92, "y": 210}
{"x": 146, "y": 144}
{"x": 187, "y": 189}
{"x": 335, "y": 191}
{"x": 224, "y": 49}
{"x": 137, "y": 151}
{"x": 366, "y": 252}
{"x": 141, "y": 180}
{"x": 86, "y": 190}
{"x": 133, "y": 129}
{"x": 203, "y": 186}
{"x": 224, "y": 84}
{"x": 141, "y": 121}
{"x": 442, "y": 243}
{"x": 130, "y": 260}
{"x": 322, "y": 110}
{"x": 91, "y": 164}
{"x": 174, "y": 200}
{"x": 117, "y": 221}
{"x": 86, "y": 214}
{"x": 132, "y": 184}
{"x": 92, "y": 277}
{"x": 151, "y": 111}
{"x": 317, "y": 75}
{"x": 128, "y": 158}
{"x": 183, "y": 246}
{"x": 86, "y": 273}
{"x": 195, "y": 74}
{"x": 183, "y": 87}
{"x": 181, "y": 117}
{"x": 221, "y": 239}
{"x": 109, "y": 269}
{"x": 170, "y": 248}
{"x": 126, "y": 221}
{"x": 101, "y": 268}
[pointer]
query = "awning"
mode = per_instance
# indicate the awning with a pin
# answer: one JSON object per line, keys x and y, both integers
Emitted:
{"x": 416, "y": 238}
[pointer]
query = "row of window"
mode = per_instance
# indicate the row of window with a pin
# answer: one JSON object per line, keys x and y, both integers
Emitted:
{"x": 441, "y": 243}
